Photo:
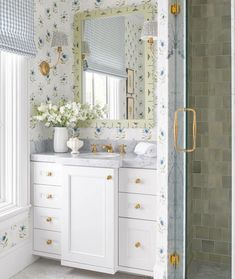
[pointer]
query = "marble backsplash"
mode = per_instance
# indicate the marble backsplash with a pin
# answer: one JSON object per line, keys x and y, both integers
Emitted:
{"x": 46, "y": 145}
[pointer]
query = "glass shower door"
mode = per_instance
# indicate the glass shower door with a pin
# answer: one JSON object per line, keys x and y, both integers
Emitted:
{"x": 179, "y": 146}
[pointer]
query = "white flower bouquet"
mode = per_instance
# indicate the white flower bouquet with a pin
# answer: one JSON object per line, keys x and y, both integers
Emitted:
{"x": 66, "y": 114}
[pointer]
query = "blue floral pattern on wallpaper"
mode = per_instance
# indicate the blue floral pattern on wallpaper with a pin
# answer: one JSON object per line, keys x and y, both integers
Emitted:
{"x": 14, "y": 235}
{"x": 51, "y": 16}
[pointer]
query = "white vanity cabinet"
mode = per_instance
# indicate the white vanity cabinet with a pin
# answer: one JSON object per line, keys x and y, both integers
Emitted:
{"x": 89, "y": 229}
{"x": 95, "y": 218}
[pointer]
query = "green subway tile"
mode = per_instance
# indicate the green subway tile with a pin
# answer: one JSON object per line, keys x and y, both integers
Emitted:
{"x": 207, "y": 246}
{"x": 221, "y": 248}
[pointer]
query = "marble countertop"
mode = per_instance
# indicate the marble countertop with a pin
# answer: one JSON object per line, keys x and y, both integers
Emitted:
{"x": 128, "y": 160}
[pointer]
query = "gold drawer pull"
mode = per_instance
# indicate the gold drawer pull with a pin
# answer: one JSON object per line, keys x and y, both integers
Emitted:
{"x": 49, "y": 196}
{"x": 49, "y": 219}
{"x": 49, "y": 173}
{"x": 137, "y": 206}
{"x": 138, "y": 244}
{"x": 109, "y": 177}
{"x": 49, "y": 242}
{"x": 138, "y": 181}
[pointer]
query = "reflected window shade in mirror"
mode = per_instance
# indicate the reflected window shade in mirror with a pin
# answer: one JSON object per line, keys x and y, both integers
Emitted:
{"x": 17, "y": 27}
{"x": 106, "y": 40}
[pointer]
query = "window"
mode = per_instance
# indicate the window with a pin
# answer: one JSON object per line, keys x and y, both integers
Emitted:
{"x": 14, "y": 158}
{"x": 106, "y": 90}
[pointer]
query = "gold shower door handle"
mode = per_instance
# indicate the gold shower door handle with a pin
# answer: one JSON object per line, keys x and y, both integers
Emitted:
{"x": 176, "y": 128}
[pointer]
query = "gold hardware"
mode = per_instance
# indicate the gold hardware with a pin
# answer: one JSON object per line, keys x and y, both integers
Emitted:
{"x": 49, "y": 242}
{"x": 138, "y": 181}
{"x": 108, "y": 148}
{"x": 174, "y": 259}
{"x": 122, "y": 149}
{"x": 175, "y": 9}
{"x": 49, "y": 196}
{"x": 93, "y": 148}
{"x": 45, "y": 67}
{"x": 138, "y": 244}
{"x": 109, "y": 177}
{"x": 49, "y": 173}
{"x": 49, "y": 219}
{"x": 176, "y": 128}
{"x": 137, "y": 206}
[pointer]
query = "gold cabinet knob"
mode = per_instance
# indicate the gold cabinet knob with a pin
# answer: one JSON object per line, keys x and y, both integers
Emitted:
{"x": 138, "y": 244}
{"x": 138, "y": 181}
{"x": 109, "y": 177}
{"x": 49, "y": 173}
{"x": 49, "y": 219}
{"x": 49, "y": 242}
{"x": 137, "y": 206}
{"x": 49, "y": 196}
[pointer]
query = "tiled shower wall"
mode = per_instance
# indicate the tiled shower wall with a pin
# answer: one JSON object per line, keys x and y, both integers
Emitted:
{"x": 209, "y": 167}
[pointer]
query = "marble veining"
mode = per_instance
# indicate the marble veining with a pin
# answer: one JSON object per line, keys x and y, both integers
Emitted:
{"x": 128, "y": 160}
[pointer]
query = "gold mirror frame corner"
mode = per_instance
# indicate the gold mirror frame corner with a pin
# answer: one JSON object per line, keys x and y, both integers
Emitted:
{"x": 148, "y": 12}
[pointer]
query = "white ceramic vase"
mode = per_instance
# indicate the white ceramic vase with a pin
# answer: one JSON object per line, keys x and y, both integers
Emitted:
{"x": 60, "y": 139}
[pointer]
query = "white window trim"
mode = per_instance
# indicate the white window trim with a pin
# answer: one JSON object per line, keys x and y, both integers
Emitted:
{"x": 21, "y": 193}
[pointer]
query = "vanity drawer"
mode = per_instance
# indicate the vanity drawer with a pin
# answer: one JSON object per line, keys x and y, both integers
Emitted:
{"x": 47, "y": 219}
{"x": 47, "y": 196}
{"x": 46, "y": 173}
{"x": 48, "y": 242}
{"x": 137, "y": 206}
{"x": 139, "y": 181}
{"x": 137, "y": 244}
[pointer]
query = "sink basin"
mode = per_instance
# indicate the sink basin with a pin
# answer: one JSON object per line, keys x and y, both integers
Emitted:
{"x": 99, "y": 155}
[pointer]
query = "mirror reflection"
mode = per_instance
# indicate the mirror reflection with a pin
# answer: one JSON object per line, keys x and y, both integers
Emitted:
{"x": 113, "y": 65}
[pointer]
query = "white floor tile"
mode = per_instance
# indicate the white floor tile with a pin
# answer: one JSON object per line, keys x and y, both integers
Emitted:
{"x": 48, "y": 269}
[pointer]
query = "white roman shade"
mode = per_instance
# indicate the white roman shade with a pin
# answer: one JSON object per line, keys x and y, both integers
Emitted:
{"x": 17, "y": 27}
{"x": 106, "y": 41}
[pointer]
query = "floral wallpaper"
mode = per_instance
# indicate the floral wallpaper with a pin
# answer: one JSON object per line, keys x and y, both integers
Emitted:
{"x": 14, "y": 235}
{"x": 58, "y": 15}
{"x": 51, "y": 15}
{"x": 134, "y": 52}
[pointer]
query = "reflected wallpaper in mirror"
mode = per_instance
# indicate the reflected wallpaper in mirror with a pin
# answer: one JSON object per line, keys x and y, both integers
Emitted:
{"x": 113, "y": 65}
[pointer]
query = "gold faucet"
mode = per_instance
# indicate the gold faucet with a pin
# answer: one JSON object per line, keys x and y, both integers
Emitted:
{"x": 122, "y": 149}
{"x": 94, "y": 148}
{"x": 108, "y": 148}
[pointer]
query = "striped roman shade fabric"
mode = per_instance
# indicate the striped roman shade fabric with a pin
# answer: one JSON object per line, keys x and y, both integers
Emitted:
{"x": 17, "y": 27}
{"x": 106, "y": 41}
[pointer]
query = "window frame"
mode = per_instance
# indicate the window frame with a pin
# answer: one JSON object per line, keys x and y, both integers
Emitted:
{"x": 16, "y": 197}
{"x": 108, "y": 78}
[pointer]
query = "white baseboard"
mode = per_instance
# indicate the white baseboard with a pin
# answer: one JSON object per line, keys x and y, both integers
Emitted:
{"x": 16, "y": 259}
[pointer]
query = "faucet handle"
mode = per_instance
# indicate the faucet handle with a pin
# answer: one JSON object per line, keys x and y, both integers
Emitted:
{"x": 122, "y": 149}
{"x": 93, "y": 148}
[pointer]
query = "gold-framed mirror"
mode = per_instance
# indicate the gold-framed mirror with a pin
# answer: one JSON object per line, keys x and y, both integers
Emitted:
{"x": 114, "y": 67}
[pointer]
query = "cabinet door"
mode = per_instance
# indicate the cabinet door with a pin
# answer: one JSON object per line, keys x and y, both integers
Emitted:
{"x": 137, "y": 243}
{"x": 90, "y": 222}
